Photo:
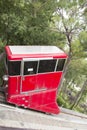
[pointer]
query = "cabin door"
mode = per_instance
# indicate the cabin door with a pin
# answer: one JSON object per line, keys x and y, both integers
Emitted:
{"x": 28, "y": 75}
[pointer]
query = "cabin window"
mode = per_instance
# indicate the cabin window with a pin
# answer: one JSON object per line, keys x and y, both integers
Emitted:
{"x": 60, "y": 64}
{"x": 46, "y": 65}
{"x": 14, "y": 67}
{"x": 30, "y": 67}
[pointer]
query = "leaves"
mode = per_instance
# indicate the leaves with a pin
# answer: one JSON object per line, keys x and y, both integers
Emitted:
{"x": 26, "y": 22}
{"x": 83, "y": 39}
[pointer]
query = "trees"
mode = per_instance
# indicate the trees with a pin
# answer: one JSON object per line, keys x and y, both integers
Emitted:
{"x": 69, "y": 21}
{"x": 26, "y": 22}
{"x": 77, "y": 80}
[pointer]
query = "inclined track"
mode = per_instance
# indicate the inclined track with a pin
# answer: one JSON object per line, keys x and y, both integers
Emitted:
{"x": 11, "y": 116}
{"x": 6, "y": 105}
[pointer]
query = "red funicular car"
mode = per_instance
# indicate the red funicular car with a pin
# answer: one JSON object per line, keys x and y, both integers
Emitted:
{"x": 34, "y": 73}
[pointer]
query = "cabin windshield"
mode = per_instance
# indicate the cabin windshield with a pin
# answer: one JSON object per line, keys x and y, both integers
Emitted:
{"x": 14, "y": 67}
{"x": 60, "y": 64}
{"x": 47, "y": 65}
{"x": 34, "y": 67}
{"x": 43, "y": 66}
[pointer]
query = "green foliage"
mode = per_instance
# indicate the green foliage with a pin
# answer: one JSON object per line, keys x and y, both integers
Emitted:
{"x": 77, "y": 49}
{"x": 83, "y": 39}
{"x": 26, "y": 22}
{"x": 79, "y": 66}
{"x": 2, "y": 45}
{"x": 73, "y": 85}
{"x": 67, "y": 3}
{"x": 61, "y": 102}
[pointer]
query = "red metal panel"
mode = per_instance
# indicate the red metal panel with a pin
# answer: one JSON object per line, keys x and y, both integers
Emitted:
{"x": 21, "y": 56}
{"x": 28, "y": 83}
{"x": 45, "y": 101}
{"x": 20, "y": 100}
{"x": 41, "y": 81}
{"x": 40, "y": 100}
{"x": 48, "y": 80}
{"x": 43, "y": 97}
{"x": 13, "y": 85}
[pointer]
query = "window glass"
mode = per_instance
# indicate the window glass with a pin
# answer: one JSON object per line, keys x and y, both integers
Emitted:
{"x": 60, "y": 64}
{"x": 46, "y": 65}
{"x": 14, "y": 67}
{"x": 30, "y": 67}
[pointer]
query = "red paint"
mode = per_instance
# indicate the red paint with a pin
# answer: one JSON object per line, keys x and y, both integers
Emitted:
{"x": 49, "y": 80}
{"x": 41, "y": 81}
{"x": 28, "y": 83}
{"x": 37, "y": 91}
{"x": 14, "y": 85}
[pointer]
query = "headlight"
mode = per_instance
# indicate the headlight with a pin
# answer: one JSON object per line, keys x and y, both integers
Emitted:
{"x": 5, "y": 78}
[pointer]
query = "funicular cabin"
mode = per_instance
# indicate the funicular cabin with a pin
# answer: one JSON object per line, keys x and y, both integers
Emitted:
{"x": 34, "y": 73}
